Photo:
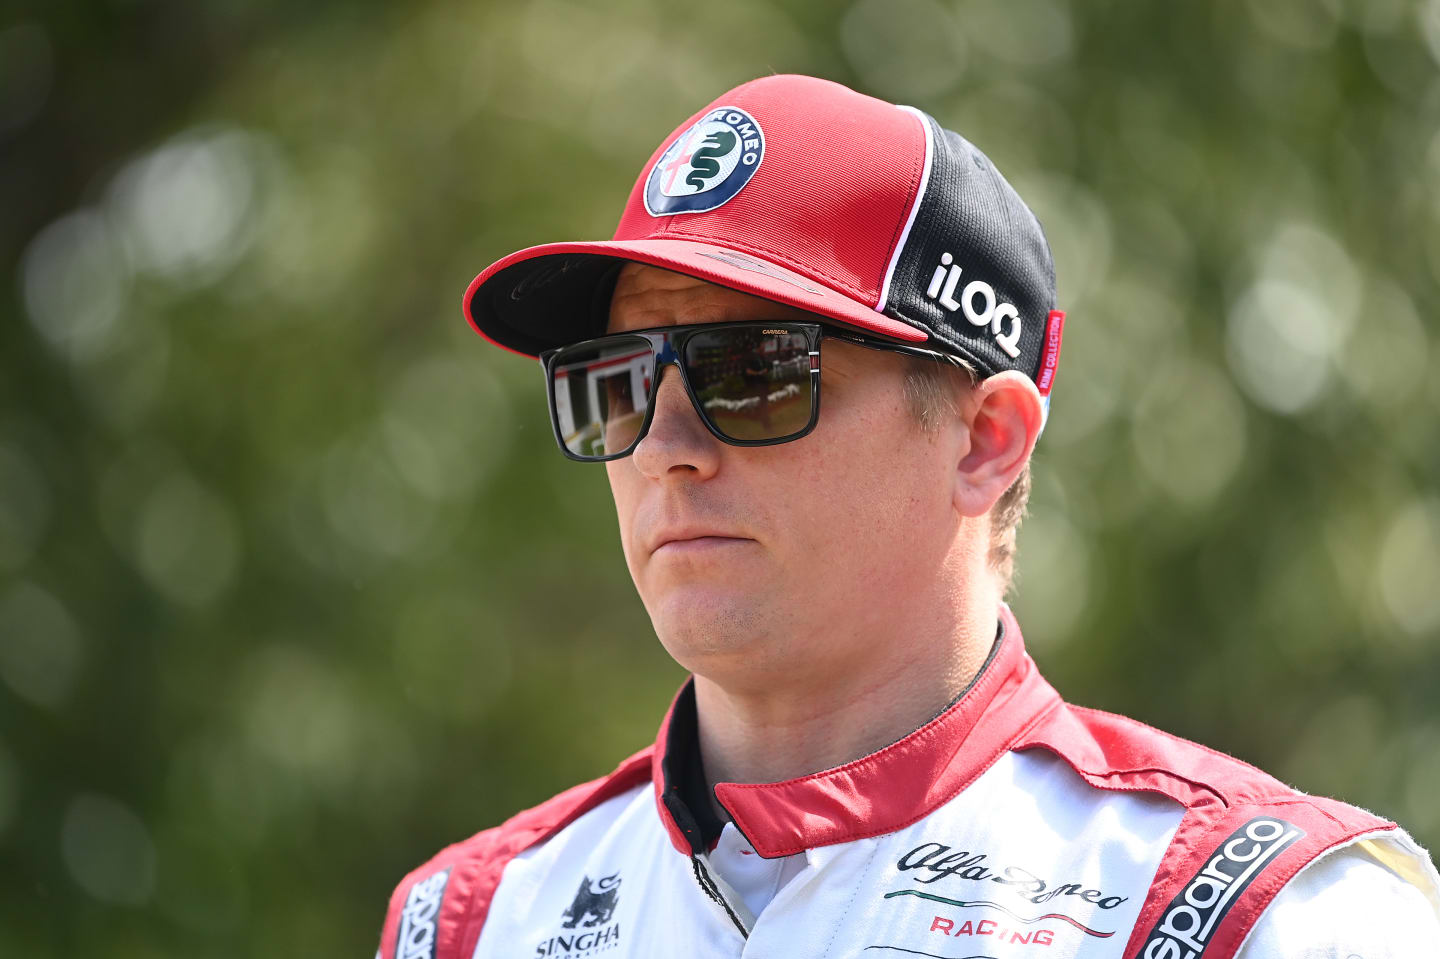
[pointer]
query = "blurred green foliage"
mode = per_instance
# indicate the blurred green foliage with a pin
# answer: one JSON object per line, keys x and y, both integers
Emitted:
{"x": 294, "y": 587}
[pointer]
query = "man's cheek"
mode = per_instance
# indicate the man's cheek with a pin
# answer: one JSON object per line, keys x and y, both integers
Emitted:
{"x": 625, "y": 521}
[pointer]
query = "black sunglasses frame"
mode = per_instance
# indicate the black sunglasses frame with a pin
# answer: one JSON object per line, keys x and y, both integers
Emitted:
{"x": 667, "y": 346}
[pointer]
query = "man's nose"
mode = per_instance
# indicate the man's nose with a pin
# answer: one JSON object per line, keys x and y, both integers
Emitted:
{"x": 677, "y": 441}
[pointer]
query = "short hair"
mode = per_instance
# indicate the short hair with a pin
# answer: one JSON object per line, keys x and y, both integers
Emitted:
{"x": 932, "y": 389}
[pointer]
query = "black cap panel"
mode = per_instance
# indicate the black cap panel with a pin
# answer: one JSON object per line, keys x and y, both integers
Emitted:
{"x": 975, "y": 270}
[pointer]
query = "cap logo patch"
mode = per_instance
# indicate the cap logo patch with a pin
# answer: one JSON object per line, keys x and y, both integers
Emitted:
{"x": 706, "y": 165}
{"x": 993, "y": 313}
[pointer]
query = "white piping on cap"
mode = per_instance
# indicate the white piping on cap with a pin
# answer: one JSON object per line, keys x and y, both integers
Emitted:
{"x": 914, "y": 208}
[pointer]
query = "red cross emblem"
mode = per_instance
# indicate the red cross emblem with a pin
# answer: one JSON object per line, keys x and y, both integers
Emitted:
{"x": 682, "y": 159}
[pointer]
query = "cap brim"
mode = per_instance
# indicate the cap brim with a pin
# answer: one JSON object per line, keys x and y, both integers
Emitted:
{"x": 547, "y": 296}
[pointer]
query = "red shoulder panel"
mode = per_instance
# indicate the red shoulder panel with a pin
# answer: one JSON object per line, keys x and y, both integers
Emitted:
{"x": 1115, "y": 752}
{"x": 1244, "y": 834}
{"x": 441, "y": 907}
{"x": 1225, "y": 866}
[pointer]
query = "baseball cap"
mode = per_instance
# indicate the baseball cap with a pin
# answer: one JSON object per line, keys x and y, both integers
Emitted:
{"x": 805, "y": 192}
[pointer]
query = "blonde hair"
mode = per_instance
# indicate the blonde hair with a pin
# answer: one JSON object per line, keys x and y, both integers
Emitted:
{"x": 933, "y": 388}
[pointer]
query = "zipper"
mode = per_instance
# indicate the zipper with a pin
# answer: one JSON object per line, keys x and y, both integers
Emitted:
{"x": 707, "y": 883}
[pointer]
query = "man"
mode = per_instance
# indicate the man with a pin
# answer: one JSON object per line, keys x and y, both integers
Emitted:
{"x": 865, "y": 760}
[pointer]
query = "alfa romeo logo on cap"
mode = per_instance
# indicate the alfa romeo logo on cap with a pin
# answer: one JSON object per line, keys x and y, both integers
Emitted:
{"x": 707, "y": 165}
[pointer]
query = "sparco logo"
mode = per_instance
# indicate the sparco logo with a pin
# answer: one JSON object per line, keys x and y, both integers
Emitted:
{"x": 417, "y": 920}
{"x": 992, "y": 312}
{"x": 1188, "y": 922}
{"x": 591, "y": 910}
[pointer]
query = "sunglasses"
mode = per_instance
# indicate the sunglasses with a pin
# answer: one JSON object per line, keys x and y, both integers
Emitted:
{"x": 753, "y": 383}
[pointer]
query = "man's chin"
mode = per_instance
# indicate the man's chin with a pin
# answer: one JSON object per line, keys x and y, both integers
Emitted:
{"x": 705, "y": 624}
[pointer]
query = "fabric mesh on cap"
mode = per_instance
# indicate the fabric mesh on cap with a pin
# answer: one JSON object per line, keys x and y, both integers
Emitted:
{"x": 972, "y": 213}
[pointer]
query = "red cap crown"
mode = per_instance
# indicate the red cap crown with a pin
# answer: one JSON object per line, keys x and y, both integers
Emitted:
{"x": 834, "y": 187}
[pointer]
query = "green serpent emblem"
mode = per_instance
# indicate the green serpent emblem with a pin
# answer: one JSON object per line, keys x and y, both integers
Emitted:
{"x": 703, "y": 163}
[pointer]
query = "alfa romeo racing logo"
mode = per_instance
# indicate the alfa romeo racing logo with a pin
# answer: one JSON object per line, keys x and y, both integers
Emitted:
{"x": 707, "y": 165}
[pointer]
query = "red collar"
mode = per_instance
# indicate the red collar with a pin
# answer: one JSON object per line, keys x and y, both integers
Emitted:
{"x": 879, "y": 793}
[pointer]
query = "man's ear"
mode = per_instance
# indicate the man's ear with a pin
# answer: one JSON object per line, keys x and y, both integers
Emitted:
{"x": 1003, "y": 414}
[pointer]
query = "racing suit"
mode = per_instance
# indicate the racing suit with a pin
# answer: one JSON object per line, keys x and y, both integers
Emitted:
{"x": 1012, "y": 824}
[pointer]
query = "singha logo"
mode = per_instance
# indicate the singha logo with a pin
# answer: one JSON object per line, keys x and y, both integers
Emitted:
{"x": 593, "y": 905}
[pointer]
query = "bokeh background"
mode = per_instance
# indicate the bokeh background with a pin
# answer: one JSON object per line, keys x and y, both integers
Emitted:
{"x": 295, "y": 589}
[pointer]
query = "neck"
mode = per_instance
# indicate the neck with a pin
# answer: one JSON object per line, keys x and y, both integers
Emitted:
{"x": 821, "y": 719}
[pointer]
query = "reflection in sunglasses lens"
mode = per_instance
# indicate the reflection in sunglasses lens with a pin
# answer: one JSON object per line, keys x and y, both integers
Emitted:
{"x": 600, "y": 394}
{"x": 752, "y": 382}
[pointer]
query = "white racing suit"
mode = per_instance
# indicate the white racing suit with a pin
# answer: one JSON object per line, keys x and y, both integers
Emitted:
{"x": 1011, "y": 825}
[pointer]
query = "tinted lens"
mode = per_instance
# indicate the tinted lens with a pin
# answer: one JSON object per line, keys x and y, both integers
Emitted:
{"x": 601, "y": 391}
{"x": 753, "y": 382}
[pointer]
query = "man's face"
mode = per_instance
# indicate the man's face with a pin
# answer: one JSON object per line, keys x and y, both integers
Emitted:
{"x": 788, "y": 557}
